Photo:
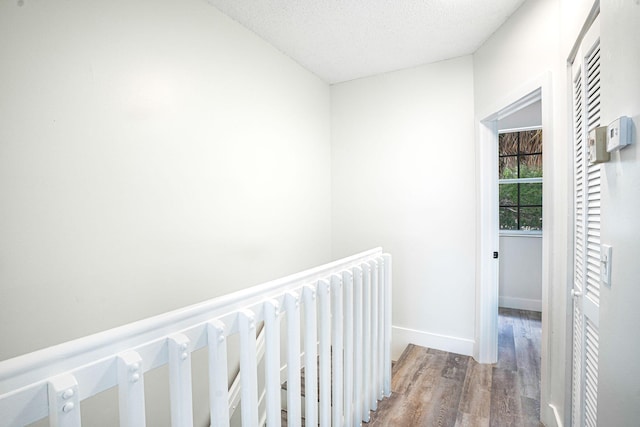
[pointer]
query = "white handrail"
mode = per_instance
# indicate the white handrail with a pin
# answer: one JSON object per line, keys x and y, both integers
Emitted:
{"x": 32, "y": 386}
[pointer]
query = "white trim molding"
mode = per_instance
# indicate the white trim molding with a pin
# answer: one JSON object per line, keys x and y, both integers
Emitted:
{"x": 401, "y": 337}
{"x": 539, "y": 88}
{"x": 521, "y": 303}
{"x": 556, "y": 416}
{"x": 521, "y": 233}
{"x": 520, "y": 129}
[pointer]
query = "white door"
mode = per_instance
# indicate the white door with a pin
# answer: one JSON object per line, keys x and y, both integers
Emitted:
{"x": 586, "y": 284}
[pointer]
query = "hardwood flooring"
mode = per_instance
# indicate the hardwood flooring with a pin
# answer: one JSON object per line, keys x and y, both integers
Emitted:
{"x": 515, "y": 387}
{"x": 436, "y": 388}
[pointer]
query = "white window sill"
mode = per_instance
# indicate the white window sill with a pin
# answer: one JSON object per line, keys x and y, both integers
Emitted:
{"x": 520, "y": 233}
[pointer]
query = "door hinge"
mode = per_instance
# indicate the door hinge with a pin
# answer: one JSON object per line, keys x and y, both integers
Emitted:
{"x": 495, "y": 255}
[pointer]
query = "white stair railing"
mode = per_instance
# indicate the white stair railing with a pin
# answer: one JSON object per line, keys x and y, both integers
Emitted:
{"x": 338, "y": 313}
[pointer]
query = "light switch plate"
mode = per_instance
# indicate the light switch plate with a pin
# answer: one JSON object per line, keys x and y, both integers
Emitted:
{"x": 605, "y": 266}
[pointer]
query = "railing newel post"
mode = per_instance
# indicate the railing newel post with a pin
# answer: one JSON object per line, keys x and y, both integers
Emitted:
{"x": 272, "y": 362}
{"x": 388, "y": 319}
{"x": 64, "y": 401}
{"x": 218, "y": 376}
{"x": 381, "y": 328}
{"x": 347, "y": 284}
{"x": 324, "y": 300}
{"x": 375, "y": 379}
{"x": 180, "y": 392}
{"x": 337, "y": 346}
{"x": 309, "y": 295}
{"x": 294, "y": 412}
{"x": 131, "y": 390}
{"x": 367, "y": 350}
{"x": 248, "y": 368}
{"x": 358, "y": 338}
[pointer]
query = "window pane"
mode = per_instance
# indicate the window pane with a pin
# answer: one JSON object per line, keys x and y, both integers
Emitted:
{"x": 531, "y": 194}
{"x": 520, "y": 157}
{"x": 507, "y": 167}
{"x": 508, "y": 195}
{"x": 530, "y": 218}
{"x": 531, "y": 166}
{"x": 508, "y": 144}
{"x": 531, "y": 141}
{"x": 508, "y": 218}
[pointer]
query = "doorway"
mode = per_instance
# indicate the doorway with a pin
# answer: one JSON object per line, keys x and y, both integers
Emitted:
{"x": 488, "y": 243}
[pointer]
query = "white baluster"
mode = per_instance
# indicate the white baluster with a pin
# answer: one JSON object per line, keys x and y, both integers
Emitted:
{"x": 381, "y": 328}
{"x": 294, "y": 411}
{"x": 387, "y": 323}
{"x": 64, "y": 402}
{"x": 358, "y": 338}
{"x": 272, "y": 362}
{"x": 131, "y": 390}
{"x": 248, "y": 368}
{"x": 347, "y": 284}
{"x": 374, "y": 335}
{"x": 337, "y": 345}
{"x": 324, "y": 300}
{"x": 367, "y": 350}
{"x": 218, "y": 376}
{"x": 180, "y": 381}
{"x": 310, "y": 356}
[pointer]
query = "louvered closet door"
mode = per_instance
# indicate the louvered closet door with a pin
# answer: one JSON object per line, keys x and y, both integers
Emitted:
{"x": 586, "y": 286}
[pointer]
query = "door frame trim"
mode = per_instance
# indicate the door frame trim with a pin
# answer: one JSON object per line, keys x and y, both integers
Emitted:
{"x": 486, "y": 349}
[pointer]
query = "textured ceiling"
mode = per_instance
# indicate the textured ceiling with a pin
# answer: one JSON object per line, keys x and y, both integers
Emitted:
{"x": 341, "y": 40}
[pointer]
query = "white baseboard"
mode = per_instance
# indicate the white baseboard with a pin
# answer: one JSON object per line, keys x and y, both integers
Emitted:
{"x": 520, "y": 303}
{"x": 556, "y": 416}
{"x": 401, "y": 337}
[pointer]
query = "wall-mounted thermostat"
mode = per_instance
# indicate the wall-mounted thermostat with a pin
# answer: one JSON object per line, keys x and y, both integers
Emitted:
{"x": 598, "y": 145}
{"x": 619, "y": 134}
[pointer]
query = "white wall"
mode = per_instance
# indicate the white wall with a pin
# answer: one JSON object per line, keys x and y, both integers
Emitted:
{"x": 403, "y": 177}
{"x": 153, "y": 154}
{"x": 521, "y": 272}
{"x": 523, "y": 50}
{"x": 619, "y": 371}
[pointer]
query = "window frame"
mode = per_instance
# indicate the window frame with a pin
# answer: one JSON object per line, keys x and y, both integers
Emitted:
{"x": 536, "y": 180}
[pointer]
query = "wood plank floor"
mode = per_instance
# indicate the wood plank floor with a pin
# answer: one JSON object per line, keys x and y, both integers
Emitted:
{"x": 436, "y": 388}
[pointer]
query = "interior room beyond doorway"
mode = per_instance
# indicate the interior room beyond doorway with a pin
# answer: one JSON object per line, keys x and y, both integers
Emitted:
{"x": 520, "y": 209}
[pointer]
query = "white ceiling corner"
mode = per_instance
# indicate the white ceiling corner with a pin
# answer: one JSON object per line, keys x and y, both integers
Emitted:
{"x": 342, "y": 40}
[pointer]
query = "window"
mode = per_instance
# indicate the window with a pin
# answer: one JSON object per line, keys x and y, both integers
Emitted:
{"x": 520, "y": 180}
